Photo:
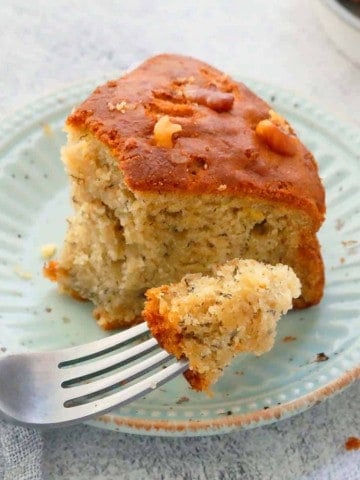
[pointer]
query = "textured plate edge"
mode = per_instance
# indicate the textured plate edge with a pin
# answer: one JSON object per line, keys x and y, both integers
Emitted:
{"x": 230, "y": 423}
{"x": 349, "y": 133}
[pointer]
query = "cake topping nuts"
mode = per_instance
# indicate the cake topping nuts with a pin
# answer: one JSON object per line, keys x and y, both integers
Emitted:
{"x": 277, "y": 134}
{"x": 214, "y": 99}
{"x": 164, "y": 129}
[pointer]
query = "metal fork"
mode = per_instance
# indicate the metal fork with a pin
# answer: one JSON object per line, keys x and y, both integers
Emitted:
{"x": 67, "y": 386}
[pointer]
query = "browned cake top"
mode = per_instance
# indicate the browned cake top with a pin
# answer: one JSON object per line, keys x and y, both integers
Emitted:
{"x": 177, "y": 124}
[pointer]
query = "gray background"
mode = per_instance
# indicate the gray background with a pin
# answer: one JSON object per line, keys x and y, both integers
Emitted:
{"x": 46, "y": 44}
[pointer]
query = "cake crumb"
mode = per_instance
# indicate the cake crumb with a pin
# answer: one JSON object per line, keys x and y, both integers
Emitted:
{"x": 289, "y": 338}
{"x": 352, "y": 443}
{"x": 184, "y": 80}
{"x": 352, "y": 246}
{"x": 349, "y": 243}
{"x": 22, "y": 273}
{"x": 339, "y": 224}
{"x": 182, "y": 400}
{"x": 120, "y": 106}
{"x": 48, "y": 250}
{"x": 221, "y": 188}
{"x": 321, "y": 357}
{"x": 47, "y": 129}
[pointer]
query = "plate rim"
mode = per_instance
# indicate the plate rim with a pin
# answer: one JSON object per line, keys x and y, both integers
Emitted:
{"x": 229, "y": 423}
{"x": 13, "y": 125}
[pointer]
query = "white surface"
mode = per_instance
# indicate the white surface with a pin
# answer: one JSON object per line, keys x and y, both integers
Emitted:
{"x": 46, "y": 44}
{"x": 307, "y": 447}
{"x": 342, "y": 26}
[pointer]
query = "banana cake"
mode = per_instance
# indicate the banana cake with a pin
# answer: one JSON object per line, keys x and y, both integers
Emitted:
{"x": 175, "y": 167}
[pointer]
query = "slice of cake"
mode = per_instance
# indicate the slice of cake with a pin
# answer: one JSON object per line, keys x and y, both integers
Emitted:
{"x": 174, "y": 167}
{"x": 211, "y": 319}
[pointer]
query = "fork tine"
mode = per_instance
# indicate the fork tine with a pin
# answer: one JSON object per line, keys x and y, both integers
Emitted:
{"x": 99, "y": 347}
{"x": 126, "y": 395}
{"x": 77, "y": 392}
{"x": 79, "y": 371}
{"x": 34, "y": 393}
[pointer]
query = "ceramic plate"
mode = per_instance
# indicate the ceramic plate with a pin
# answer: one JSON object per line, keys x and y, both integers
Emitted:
{"x": 317, "y": 351}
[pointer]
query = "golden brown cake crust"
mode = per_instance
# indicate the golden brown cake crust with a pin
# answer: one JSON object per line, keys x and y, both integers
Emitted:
{"x": 216, "y": 151}
{"x": 170, "y": 337}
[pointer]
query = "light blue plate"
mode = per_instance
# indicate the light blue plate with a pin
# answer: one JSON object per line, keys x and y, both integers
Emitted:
{"x": 34, "y": 203}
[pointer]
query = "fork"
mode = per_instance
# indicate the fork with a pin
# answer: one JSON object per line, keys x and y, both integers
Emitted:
{"x": 62, "y": 387}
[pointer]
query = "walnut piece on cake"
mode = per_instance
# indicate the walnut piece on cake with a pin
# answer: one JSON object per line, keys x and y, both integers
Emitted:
{"x": 214, "y": 187}
{"x": 209, "y": 319}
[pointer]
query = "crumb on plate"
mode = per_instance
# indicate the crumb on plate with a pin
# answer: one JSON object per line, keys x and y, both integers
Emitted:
{"x": 22, "y": 273}
{"x": 48, "y": 250}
